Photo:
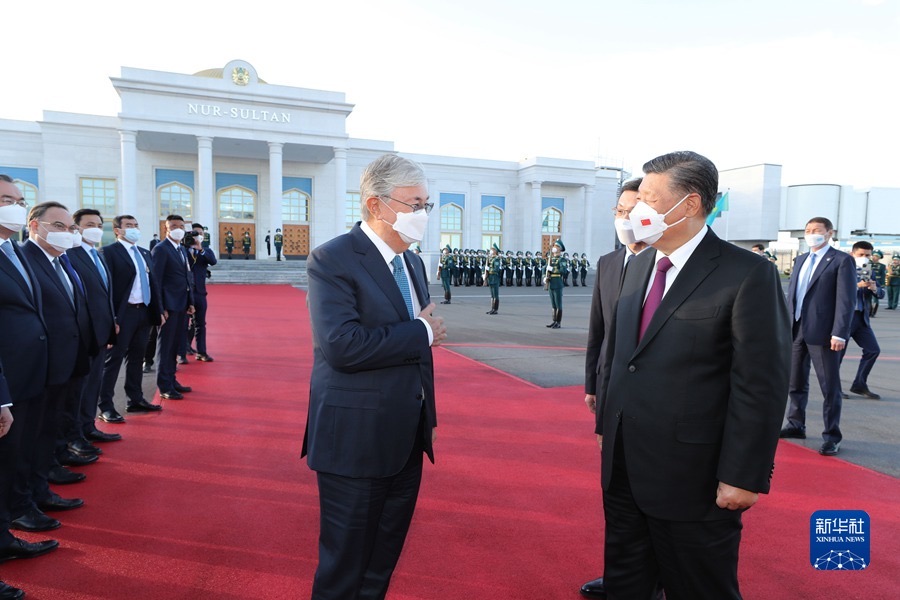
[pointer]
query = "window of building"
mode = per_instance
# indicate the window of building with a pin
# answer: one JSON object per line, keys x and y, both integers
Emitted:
{"x": 451, "y": 225}
{"x": 175, "y": 199}
{"x": 352, "y": 213}
{"x": 99, "y": 194}
{"x": 28, "y": 191}
{"x": 454, "y": 240}
{"x": 295, "y": 206}
{"x": 492, "y": 219}
{"x": 237, "y": 203}
{"x": 551, "y": 221}
{"x": 488, "y": 240}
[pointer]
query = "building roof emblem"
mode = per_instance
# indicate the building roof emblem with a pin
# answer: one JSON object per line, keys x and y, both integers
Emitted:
{"x": 240, "y": 75}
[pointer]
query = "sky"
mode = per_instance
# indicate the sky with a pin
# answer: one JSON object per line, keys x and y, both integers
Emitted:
{"x": 809, "y": 85}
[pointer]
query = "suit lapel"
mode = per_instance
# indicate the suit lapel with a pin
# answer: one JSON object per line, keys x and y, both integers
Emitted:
{"x": 417, "y": 278}
{"x": 379, "y": 271}
{"x": 826, "y": 262}
{"x": 50, "y": 272}
{"x": 631, "y": 299}
{"x": 10, "y": 269}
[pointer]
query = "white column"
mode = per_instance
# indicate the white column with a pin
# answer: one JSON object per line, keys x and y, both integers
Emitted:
{"x": 203, "y": 210}
{"x": 128, "y": 140}
{"x": 588, "y": 225}
{"x": 275, "y": 197}
{"x": 340, "y": 195}
{"x": 472, "y": 224}
{"x": 535, "y": 234}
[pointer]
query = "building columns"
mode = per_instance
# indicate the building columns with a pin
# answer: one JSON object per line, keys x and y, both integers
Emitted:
{"x": 534, "y": 232}
{"x": 203, "y": 210}
{"x": 472, "y": 218}
{"x": 128, "y": 140}
{"x": 276, "y": 193}
{"x": 340, "y": 191}
{"x": 588, "y": 245}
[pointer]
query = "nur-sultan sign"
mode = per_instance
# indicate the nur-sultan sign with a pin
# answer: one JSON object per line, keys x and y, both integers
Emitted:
{"x": 234, "y": 112}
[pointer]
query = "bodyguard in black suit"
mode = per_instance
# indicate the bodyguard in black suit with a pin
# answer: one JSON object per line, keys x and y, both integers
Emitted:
{"x": 201, "y": 259}
{"x": 697, "y": 380}
{"x": 171, "y": 271}
{"x": 94, "y": 273}
{"x": 371, "y": 400}
{"x": 136, "y": 302}
{"x": 70, "y": 340}
{"x": 23, "y": 354}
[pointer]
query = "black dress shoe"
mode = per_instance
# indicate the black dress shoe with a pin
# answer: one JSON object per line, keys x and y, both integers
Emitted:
{"x": 204, "y": 358}
{"x": 593, "y": 589}
{"x": 184, "y": 389}
{"x": 8, "y": 592}
{"x": 143, "y": 406}
{"x": 845, "y": 395}
{"x": 865, "y": 393}
{"x": 111, "y": 416}
{"x": 57, "y": 502}
{"x": 101, "y": 436}
{"x": 182, "y": 360}
{"x": 22, "y": 549}
{"x": 84, "y": 448}
{"x": 792, "y": 432}
{"x": 63, "y": 476}
{"x": 830, "y": 448}
{"x": 148, "y": 368}
{"x": 173, "y": 395}
{"x": 34, "y": 520}
{"x": 70, "y": 459}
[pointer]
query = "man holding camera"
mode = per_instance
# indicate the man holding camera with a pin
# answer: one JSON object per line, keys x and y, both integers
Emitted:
{"x": 868, "y": 290}
{"x": 200, "y": 260}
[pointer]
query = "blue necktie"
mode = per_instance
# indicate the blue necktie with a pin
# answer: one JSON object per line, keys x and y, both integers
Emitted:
{"x": 142, "y": 273}
{"x": 804, "y": 283}
{"x": 402, "y": 283}
{"x": 11, "y": 255}
{"x": 100, "y": 267}
{"x": 67, "y": 265}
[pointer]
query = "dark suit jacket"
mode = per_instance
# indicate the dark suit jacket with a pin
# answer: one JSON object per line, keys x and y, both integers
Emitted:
{"x": 865, "y": 296}
{"x": 24, "y": 344}
{"x": 372, "y": 374}
{"x": 830, "y": 297}
{"x": 99, "y": 296}
{"x": 122, "y": 273}
{"x": 170, "y": 269}
{"x": 700, "y": 397}
{"x": 200, "y": 261}
{"x": 68, "y": 326}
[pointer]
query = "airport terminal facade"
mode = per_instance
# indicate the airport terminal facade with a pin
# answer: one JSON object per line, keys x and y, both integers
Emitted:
{"x": 224, "y": 148}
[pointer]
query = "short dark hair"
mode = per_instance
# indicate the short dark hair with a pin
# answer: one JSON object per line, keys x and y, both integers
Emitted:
{"x": 196, "y": 225}
{"x": 862, "y": 244}
{"x": 758, "y": 246}
{"x": 37, "y": 211}
{"x": 690, "y": 173}
{"x": 174, "y": 218}
{"x": 6, "y": 178}
{"x": 117, "y": 220}
{"x": 83, "y": 212}
{"x": 823, "y": 221}
{"x": 631, "y": 185}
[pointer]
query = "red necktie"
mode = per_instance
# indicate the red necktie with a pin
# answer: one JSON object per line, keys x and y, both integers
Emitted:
{"x": 656, "y": 294}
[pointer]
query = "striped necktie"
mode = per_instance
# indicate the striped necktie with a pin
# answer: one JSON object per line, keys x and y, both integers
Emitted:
{"x": 402, "y": 283}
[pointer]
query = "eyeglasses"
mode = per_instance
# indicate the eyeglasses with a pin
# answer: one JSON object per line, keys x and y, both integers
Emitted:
{"x": 620, "y": 212}
{"x": 60, "y": 226}
{"x": 416, "y": 208}
{"x": 8, "y": 200}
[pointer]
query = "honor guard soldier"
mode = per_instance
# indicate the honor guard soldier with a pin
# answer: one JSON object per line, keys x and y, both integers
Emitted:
{"x": 206, "y": 241}
{"x": 445, "y": 272}
{"x": 480, "y": 263}
{"x": 492, "y": 275}
{"x": 465, "y": 268}
{"x": 564, "y": 267}
{"x": 456, "y": 270}
{"x": 539, "y": 264}
{"x": 509, "y": 268}
{"x": 585, "y": 265}
{"x": 268, "y": 242}
{"x": 279, "y": 243}
{"x": 229, "y": 243}
{"x": 575, "y": 268}
{"x": 528, "y": 267}
{"x": 246, "y": 244}
{"x": 554, "y": 282}
{"x": 879, "y": 276}
{"x": 893, "y": 282}
{"x": 520, "y": 268}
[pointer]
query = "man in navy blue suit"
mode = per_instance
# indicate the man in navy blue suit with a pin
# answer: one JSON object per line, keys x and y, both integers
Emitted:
{"x": 371, "y": 399}
{"x": 170, "y": 269}
{"x": 867, "y": 291}
{"x": 201, "y": 259}
{"x": 821, "y": 298}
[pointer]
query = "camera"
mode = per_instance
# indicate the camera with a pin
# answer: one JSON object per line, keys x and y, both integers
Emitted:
{"x": 190, "y": 238}
{"x": 864, "y": 273}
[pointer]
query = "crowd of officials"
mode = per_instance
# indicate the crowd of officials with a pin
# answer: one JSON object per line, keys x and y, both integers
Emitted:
{"x": 72, "y": 313}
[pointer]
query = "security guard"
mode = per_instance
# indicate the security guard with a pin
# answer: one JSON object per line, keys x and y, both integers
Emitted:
{"x": 279, "y": 242}
{"x": 445, "y": 272}
{"x": 554, "y": 281}
{"x": 492, "y": 274}
{"x": 879, "y": 276}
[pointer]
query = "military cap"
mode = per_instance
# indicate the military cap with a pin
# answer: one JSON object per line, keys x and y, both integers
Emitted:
{"x": 562, "y": 247}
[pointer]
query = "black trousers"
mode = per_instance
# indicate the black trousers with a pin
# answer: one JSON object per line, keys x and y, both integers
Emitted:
{"x": 35, "y": 487}
{"x": 363, "y": 525}
{"x": 131, "y": 343}
{"x": 170, "y": 337}
{"x": 827, "y": 363}
{"x": 90, "y": 393}
{"x": 17, "y": 450}
{"x": 693, "y": 560}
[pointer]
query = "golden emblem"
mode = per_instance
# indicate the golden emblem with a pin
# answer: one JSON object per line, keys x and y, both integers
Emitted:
{"x": 240, "y": 75}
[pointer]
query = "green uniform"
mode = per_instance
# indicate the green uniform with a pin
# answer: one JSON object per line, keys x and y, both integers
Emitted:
{"x": 555, "y": 286}
{"x": 279, "y": 242}
{"x": 229, "y": 244}
{"x": 893, "y": 285}
{"x": 246, "y": 245}
{"x": 494, "y": 270}
{"x": 445, "y": 271}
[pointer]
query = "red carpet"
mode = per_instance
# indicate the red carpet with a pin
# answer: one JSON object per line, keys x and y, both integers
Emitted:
{"x": 209, "y": 499}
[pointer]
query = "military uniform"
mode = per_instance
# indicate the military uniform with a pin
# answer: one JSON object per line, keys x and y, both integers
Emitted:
{"x": 539, "y": 265}
{"x": 492, "y": 275}
{"x": 509, "y": 268}
{"x": 574, "y": 267}
{"x": 479, "y": 268}
{"x": 585, "y": 265}
{"x": 893, "y": 283}
{"x": 229, "y": 243}
{"x": 528, "y": 267}
{"x": 246, "y": 244}
{"x": 279, "y": 242}
{"x": 445, "y": 272}
{"x": 206, "y": 241}
{"x": 554, "y": 280}
{"x": 564, "y": 268}
{"x": 455, "y": 270}
{"x": 879, "y": 276}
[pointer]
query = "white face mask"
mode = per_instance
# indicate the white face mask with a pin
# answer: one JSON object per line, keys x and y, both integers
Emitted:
{"x": 410, "y": 226}
{"x": 76, "y": 239}
{"x": 648, "y": 225}
{"x": 861, "y": 261}
{"x": 60, "y": 240}
{"x": 624, "y": 232}
{"x": 13, "y": 216}
{"x": 92, "y": 234}
{"x": 177, "y": 234}
{"x": 814, "y": 240}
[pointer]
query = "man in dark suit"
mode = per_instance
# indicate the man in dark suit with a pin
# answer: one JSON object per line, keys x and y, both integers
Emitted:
{"x": 868, "y": 291}
{"x": 201, "y": 259}
{"x": 371, "y": 400}
{"x": 63, "y": 297}
{"x": 92, "y": 269}
{"x": 821, "y": 296}
{"x": 695, "y": 380}
{"x": 135, "y": 296}
{"x": 610, "y": 272}
{"x": 170, "y": 269}
{"x": 23, "y": 354}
